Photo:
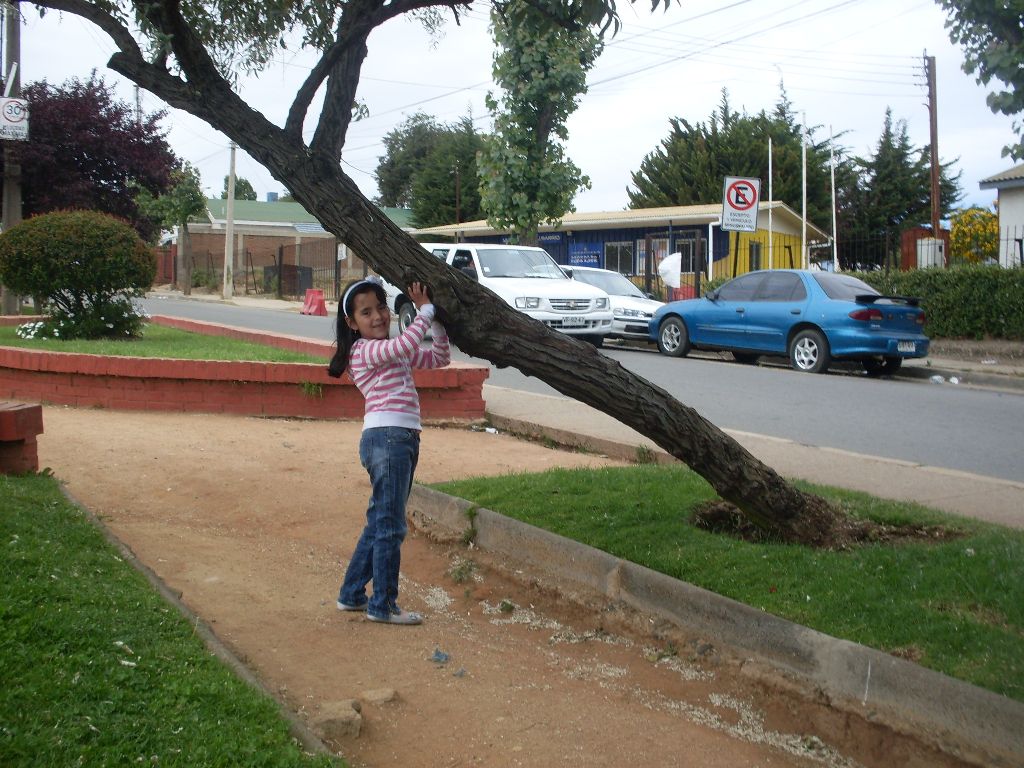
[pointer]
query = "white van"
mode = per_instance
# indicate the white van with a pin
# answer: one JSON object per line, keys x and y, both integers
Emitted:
{"x": 529, "y": 280}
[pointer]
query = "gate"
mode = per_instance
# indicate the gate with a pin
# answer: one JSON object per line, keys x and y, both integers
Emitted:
{"x": 294, "y": 269}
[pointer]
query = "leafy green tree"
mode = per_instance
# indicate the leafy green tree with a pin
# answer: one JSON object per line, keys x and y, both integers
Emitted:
{"x": 690, "y": 165}
{"x": 90, "y": 152}
{"x": 192, "y": 49}
{"x": 174, "y": 209}
{"x": 406, "y": 149}
{"x": 86, "y": 264}
{"x": 431, "y": 168}
{"x": 542, "y": 67}
{"x": 992, "y": 36}
{"x": 446, "y": 188}
{"x": 243, "y": 189}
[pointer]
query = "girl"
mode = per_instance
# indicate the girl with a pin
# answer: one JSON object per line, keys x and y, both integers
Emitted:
{"x": 381, "y": 369}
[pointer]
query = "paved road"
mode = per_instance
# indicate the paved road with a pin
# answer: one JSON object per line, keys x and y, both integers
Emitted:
{"x": 953, "y": 427}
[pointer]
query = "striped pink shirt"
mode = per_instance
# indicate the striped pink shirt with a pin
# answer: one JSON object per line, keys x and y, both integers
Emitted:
{"x": 382, "y": 371}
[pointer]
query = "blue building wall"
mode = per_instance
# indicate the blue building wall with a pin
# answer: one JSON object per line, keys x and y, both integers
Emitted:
{"x": 587, "y": 247}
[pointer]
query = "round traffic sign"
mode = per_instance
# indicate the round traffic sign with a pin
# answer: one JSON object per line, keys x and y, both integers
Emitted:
{"x": 741, "y": 195}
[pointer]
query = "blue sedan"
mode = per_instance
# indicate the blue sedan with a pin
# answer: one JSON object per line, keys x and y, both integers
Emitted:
{"x": 811, "y": 317}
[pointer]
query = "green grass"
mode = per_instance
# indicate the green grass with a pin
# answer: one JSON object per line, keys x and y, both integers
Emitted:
{"x": 160, "y": 341}
{"x": 98, "y": 670}
{"x": 955, "y": 606}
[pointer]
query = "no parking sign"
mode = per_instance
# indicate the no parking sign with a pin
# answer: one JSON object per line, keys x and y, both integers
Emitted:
{"x": 739, "y": 204}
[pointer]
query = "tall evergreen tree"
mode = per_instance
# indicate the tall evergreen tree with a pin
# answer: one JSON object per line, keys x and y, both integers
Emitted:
{"x": 446, "y": 188}
{"x": 430, "y": 168}
{"x": 405, "y": 151}
{"x": 691, "y": 164}
{"x": 893, "y": 192}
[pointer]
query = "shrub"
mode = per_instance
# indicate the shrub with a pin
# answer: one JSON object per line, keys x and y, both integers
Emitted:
{"x": 968, "y": 302}
{"x": 86, "y": 266}
{"x": 974, "y": 236}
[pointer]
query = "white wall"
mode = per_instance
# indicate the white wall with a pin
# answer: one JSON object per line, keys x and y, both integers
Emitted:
{"x": 1011, "y": 226}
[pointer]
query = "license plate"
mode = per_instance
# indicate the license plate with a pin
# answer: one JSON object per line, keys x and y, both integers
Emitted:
{"x": 573, "y": 321}
{"x": 906, "y": 346}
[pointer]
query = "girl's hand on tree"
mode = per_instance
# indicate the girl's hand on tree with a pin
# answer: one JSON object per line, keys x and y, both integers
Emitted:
{"x": 418, "y": 293}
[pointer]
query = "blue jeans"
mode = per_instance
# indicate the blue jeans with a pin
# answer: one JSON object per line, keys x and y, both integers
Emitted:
{"x": 389, "y": 455}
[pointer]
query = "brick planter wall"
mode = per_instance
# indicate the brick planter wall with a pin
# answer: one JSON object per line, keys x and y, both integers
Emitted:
{"x": 206, "y": 386}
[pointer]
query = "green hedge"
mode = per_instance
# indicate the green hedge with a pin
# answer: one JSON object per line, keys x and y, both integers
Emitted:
{"x": 969, "y": 302}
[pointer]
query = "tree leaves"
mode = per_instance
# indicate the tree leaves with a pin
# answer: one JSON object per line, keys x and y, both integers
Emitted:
{"x": 542, "y": 67}
{"x": 97, "y": 147}
{"x": 993, "y": 40}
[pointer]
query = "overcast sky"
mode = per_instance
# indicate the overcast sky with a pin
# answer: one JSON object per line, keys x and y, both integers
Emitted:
{"x": 842, "y": 62}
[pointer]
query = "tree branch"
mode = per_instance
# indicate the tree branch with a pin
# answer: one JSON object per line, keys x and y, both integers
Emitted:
{"x": 118, "y": 32}
{"x": 393, "y": 10}
{"x": 342, "y": 66}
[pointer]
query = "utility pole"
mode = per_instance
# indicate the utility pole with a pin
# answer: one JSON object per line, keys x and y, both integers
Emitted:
{"x": 458, "y": 193}
{"x": 832, "y": 175}
{"x": 10, "y": 303}
{"x": 933, "y": 124}
{"x": 771, "y": 233}
{"x": 229, "y": 232}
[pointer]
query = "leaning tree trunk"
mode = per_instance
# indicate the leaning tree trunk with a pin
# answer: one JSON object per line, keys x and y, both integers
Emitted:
{"x": 478, "y": 321}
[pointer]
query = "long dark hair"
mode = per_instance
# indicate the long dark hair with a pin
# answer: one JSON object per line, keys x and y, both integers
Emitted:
{"x": 345, "y": 335}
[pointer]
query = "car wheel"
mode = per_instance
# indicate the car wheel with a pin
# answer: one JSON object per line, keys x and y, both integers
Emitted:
{"x": 406, "y": 314}
{"x": 808, "y": 352}
{"x": 673, "y": 338}
{"x": 885, "y": 366}
{"x": 748, "y": 358}
{"x": 597, "y": 340}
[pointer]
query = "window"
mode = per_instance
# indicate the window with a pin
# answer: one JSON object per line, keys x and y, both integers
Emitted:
{"x": 742, "y": 288}
{"x": 782, "y": 286}
{"x": 843, "y": 286}
{"x": 463, "y": 261}
{"x": 618, "y": 257}
{"x": 659, "y": 248}
{"x": 687, "y": 248}
{"x": 755, "y": 256}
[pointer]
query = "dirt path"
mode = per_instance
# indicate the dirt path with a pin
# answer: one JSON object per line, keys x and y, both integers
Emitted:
{"x": 253, "y": 521}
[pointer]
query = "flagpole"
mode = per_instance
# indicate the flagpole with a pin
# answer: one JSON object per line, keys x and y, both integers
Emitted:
{"x": 771, "y": 239}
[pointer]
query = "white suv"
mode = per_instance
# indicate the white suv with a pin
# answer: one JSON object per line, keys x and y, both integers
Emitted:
{"x": 529, "y": 280}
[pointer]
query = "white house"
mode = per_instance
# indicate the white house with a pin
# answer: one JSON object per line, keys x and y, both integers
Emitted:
{"x": 1009, "y": 186}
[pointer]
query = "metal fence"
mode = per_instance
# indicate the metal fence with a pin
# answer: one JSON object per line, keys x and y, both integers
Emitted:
{"x": 297, "y": 267}
{"x": 916, "y": 249}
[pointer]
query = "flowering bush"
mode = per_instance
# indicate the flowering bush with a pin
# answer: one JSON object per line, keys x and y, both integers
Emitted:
{"x": 124, "y": 321}
{"x": 974, "y": 236}
{"x": 87, "y": 266}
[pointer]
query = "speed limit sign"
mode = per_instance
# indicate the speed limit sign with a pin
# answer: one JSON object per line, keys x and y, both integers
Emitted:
{"x": 14, "y": 119}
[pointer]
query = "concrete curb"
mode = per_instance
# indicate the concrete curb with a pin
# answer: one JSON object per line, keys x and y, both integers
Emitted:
{"x": 951, "y": 715}
{"x": 966, "y": 376}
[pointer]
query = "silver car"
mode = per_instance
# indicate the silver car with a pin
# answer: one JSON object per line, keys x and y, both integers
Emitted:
{"x": 631, "y": 309}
